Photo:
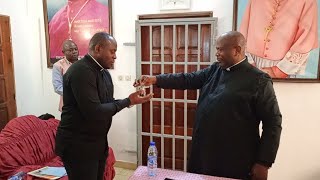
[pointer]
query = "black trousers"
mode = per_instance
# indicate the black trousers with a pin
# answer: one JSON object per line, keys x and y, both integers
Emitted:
{"x": 84, "y": 169}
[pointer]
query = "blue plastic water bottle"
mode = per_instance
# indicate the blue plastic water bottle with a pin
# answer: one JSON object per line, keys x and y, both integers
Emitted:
{"x": 18, "y": 176}
{"x": 152, "y": 159}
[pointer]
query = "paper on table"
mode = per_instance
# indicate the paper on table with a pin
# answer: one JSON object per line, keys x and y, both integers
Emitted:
{"x": 53, "y": 171}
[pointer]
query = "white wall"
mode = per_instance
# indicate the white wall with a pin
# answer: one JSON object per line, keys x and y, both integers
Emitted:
{"x": 299, "y": 153}
{"x": 34, "y": 91}
{"x": 298, "y": 156}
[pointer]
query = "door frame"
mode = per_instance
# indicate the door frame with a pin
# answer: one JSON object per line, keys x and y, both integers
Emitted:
{"x": 163, "y": 22}
{"x": 11, "y": 96}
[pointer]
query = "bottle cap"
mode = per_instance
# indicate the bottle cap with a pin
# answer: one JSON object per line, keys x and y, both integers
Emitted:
{"x": 152, "y": 143}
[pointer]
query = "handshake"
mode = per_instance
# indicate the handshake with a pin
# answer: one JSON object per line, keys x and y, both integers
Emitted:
{"x": 140, "y": 95}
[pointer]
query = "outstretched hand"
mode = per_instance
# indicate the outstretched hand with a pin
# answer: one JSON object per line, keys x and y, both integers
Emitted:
{"x": 137, "y": 98}
{"x": 145, "y": 81}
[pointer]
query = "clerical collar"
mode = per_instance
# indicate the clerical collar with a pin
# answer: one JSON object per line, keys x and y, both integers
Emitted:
{"x": 96, "y": 62}
{"x": 229, "y": 68}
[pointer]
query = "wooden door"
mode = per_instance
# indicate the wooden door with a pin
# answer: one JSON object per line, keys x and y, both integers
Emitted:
{"x": 171, "y": 46}
{"x": 8, "y": 108}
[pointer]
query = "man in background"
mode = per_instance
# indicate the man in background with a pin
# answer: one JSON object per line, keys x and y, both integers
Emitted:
{"x": 71, "y": 53}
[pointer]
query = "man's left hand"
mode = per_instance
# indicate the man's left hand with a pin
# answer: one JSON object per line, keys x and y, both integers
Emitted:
{"x": 274, "y": 72}
{"x": 259, "y": 172}
{"x": 278, "y": 73}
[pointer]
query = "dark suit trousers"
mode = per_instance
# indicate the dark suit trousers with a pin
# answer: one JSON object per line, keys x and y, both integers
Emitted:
{"x": 84, "y": 169}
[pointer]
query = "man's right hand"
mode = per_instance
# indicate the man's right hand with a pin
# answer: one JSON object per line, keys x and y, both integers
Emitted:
{"x": 145, "y": 81}
{"x": 259, "y": 172}
{"x": 136, "y": 98}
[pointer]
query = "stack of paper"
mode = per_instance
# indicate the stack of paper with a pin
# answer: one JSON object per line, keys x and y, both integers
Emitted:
{"x": 49, "y": 172}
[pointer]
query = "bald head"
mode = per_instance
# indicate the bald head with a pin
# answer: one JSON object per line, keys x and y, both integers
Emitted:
{"x": 66, "y": 44}
{"x": 234, "y": 38}
{"x": 101, "y": 39}
{"x": 70, "y": 50}
{"x": 230, "y": 48}
{"x": 103, "y": 47}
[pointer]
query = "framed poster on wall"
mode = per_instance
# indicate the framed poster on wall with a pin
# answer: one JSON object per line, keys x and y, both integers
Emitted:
{"x": 77, "y": 20}
{"x": 282, "y": 37}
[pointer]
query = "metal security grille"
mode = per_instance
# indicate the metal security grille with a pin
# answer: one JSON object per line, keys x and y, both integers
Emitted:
{"x": 171, "y": 46}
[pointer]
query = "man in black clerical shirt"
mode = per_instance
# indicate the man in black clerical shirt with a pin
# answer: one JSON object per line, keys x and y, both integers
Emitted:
{"x": 234, "y": 98}
{"x": 89, "y": 106}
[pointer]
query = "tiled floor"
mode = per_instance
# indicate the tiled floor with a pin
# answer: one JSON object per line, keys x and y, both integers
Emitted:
{"x": 123, "y": 174}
